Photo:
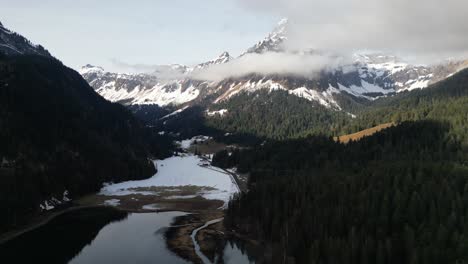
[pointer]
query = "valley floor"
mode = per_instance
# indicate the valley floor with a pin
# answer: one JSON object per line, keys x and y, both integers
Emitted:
{"x": 187, "y": 183}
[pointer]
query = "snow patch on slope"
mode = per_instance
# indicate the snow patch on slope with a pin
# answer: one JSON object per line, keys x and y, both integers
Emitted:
{"x": 249, "y": 86}
{"x": 221, "y": 112}
{"x": 162, "y": 94}
{"x": 325, "y": 98}
{"x": 176, "y": 112}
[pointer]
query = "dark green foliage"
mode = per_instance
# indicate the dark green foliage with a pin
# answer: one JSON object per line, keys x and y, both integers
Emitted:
{"x": 226, "y": 158}
{"x": 189, "y": 123}
{"x": 276, "y": 115}
{"x": 57, "y": 134}
{"x": 446, "y": 100}
{"x": 399, "y": 196}
{"x": 150, "y": 114}
{"x": 396, "y": 197}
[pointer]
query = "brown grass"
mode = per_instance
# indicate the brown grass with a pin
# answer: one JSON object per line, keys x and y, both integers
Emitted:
{"x": 179, "y": 241}
{"x": 207, "y": 147}
{"x": 162, "y": 198}
{"x": 364, "y": 133}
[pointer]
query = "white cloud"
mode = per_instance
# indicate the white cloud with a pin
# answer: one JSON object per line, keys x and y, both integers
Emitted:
{"x": 164, "y": 72}
{"x": 420, "y": 28}
{"x": 271, "y": 63}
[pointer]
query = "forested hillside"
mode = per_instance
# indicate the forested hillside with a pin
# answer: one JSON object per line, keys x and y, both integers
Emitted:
{"x": 446, "y": 100}
{"x": 276, "y": 115}
{"x": 58, "y": 135}
{"x": 398, "y": 196}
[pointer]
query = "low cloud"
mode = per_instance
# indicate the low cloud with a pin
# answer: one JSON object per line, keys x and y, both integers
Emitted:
{"x": 164, "y": 72}
{"x": 128, "y": 67}
{"x": 272, "y": 63}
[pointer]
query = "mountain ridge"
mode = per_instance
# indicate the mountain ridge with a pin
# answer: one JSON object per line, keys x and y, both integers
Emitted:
{"x": 12, "y": 43}
{"x": 367, "y": 77}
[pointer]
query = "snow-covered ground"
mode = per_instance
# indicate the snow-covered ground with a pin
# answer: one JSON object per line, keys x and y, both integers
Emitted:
{"x": 187, "y": 170}
{"x": 112, "y": 202}
{"x": 150, "y": 207}
{"x": 187, "y": 143}
{"x": 53, "y": 202}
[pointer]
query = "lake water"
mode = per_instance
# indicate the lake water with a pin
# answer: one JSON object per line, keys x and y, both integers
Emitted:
{"x": 233, "y": 254}
{"x": 102, "y": 235}
{"x": 137, "y": 239}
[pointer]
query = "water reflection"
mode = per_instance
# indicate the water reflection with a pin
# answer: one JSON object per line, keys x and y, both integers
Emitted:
{"x": 238, "y": 251}
{"x": 135, "y": 240}
{"x": 61, "y": 239}
{"x": 106, "y": 235}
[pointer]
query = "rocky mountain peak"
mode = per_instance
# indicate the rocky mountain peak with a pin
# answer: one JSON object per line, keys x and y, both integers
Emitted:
{"x": 88, "y": 68}
{"x": 274, "y": 40}
{"x": 223, "y": 58}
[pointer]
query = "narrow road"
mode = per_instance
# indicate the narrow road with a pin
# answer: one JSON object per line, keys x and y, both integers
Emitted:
{"x": 200, "y": 254}
{"x": 233, "y": 175}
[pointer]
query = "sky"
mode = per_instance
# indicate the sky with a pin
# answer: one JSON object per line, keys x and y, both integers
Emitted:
{"x": 110, "y": 33}
{"x": 117, "y": 33}
{"x": 421, "y": 32}
{"x": 426, "y": 30}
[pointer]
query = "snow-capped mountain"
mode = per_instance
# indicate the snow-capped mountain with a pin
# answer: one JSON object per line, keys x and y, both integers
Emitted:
{"x": 140, "y": 88}
{"x": 368, "y": 77}
{"x": 391, "y": 72}
{"x": 274, "y": 41}
{"x": 225, "y": 57}
{"x": 12, "y": 43}
{"x": 166, "y": 85}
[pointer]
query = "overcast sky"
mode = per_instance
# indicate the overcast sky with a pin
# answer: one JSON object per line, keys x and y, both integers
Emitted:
{"x": 137, "y": 32}
{"x": 427, "y": 30}
{"x": 110, "y": 33}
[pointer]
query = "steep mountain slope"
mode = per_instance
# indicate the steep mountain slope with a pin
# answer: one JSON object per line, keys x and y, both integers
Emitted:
{"x": 273, "y": 42}
{"x": 445, "y": 100}
{"x": 59, "y": 138}
{"x": 12, "y": 43}
{"x": 140, "y": 89}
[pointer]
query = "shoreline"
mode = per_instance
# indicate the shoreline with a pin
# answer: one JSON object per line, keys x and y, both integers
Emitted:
{"x": 210, "y": 240}
{"x": 40, "y": 221}
{"x": 178, "y": 238}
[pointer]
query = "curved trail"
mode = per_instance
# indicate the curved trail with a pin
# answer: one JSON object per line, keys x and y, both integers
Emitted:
{"x": 200, "y": 254}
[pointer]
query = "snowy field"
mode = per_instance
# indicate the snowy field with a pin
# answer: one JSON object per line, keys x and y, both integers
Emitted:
{"x": 186, "y": 144}
{"x": 178, "y": 171}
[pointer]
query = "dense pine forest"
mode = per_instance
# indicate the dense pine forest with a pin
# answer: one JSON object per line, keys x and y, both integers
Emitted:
{"x": 446, "y": 101}
{"x": 276, "y": 115}
{"x": 57, "y": 135}
{"x": 399, "y": 196}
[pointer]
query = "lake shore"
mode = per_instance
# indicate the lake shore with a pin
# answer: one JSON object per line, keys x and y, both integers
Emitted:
{"x": 42, "y": 220}
{"x": 185, "y": 183}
